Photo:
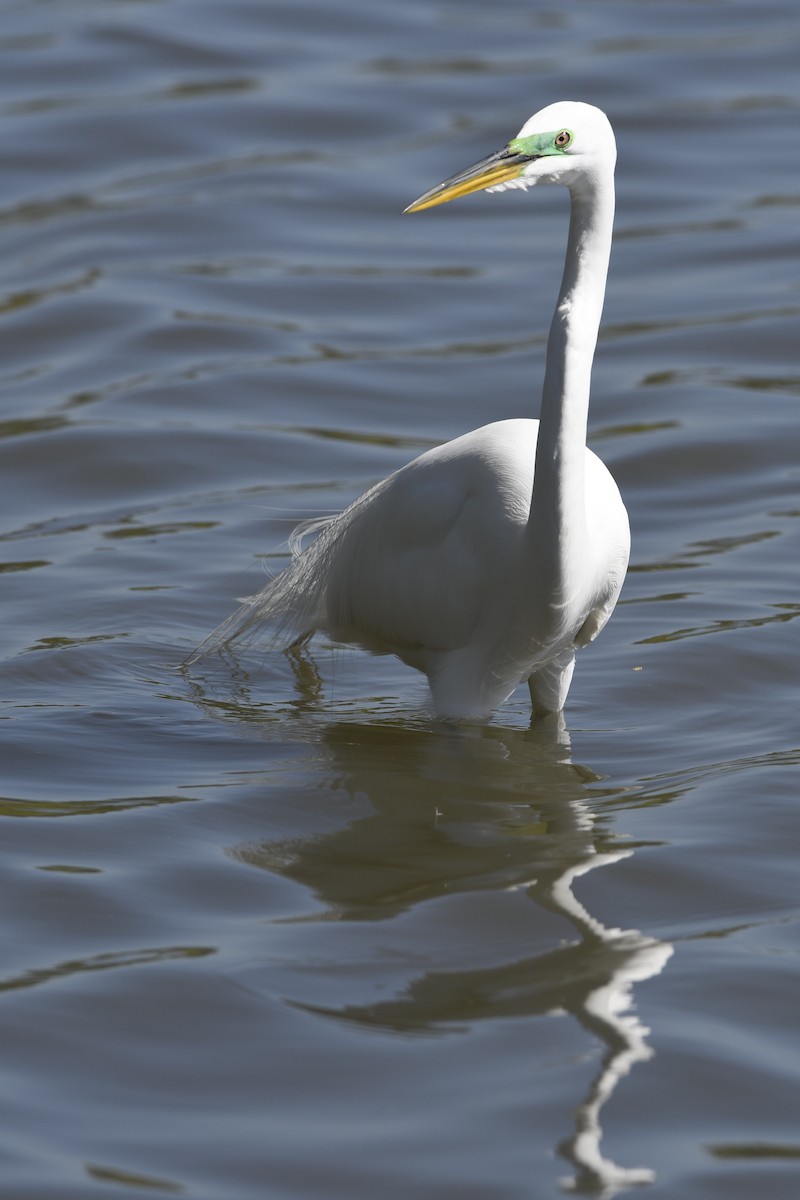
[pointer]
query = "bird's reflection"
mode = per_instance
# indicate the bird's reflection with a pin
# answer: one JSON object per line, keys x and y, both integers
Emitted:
{"x": 466, "y": 809}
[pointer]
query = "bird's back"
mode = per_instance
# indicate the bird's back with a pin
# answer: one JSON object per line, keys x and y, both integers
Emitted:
{"x": 434, "y": 565}
{"x": 423, "y": 565}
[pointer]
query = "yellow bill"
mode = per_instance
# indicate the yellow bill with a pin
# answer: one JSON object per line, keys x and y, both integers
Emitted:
{"x": 505, "y": 164}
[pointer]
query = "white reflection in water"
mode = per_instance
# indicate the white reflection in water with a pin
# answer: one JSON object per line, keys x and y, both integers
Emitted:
{"x": 607, "y": 1011}
{"x": 481, "y": 809}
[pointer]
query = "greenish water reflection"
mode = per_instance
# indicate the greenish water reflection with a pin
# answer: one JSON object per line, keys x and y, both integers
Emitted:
{"x": 465, "y": 810}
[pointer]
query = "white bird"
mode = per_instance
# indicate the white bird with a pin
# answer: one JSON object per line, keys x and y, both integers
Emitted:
{"x": 491, "y": 559}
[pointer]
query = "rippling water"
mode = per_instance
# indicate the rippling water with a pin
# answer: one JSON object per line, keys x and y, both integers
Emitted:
{"x": 268, "y": 931}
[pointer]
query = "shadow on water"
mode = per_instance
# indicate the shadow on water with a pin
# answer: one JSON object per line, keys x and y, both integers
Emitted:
{"x": 457, "y": 810}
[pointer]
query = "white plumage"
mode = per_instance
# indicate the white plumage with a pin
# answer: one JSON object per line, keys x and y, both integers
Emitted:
{"x": 488, "y": 560}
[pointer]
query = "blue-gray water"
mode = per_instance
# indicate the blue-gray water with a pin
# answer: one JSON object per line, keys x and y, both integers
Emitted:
{"x": 267, "y": 931}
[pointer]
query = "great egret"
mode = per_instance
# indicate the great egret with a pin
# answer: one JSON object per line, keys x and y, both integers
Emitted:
{"x": 491, "y": 559}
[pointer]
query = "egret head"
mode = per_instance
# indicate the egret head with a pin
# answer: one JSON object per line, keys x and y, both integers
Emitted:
{"x": 564, "y": 143}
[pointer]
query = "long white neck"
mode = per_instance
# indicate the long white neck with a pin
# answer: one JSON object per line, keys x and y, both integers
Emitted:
{"x": 558, "y": 508}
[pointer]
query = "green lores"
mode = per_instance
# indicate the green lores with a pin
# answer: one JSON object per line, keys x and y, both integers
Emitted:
{"x": 540, "y": 144}
{"x": 507, "y": 164}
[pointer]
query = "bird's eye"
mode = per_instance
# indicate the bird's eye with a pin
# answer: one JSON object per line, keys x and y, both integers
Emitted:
{"x": 563, "y": 139}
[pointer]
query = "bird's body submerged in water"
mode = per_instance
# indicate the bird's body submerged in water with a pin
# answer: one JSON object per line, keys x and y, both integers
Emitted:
{"x": 491, "y": 559}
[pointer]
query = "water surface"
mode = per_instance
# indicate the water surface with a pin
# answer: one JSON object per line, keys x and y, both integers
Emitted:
{"x": 271, "y": 932}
